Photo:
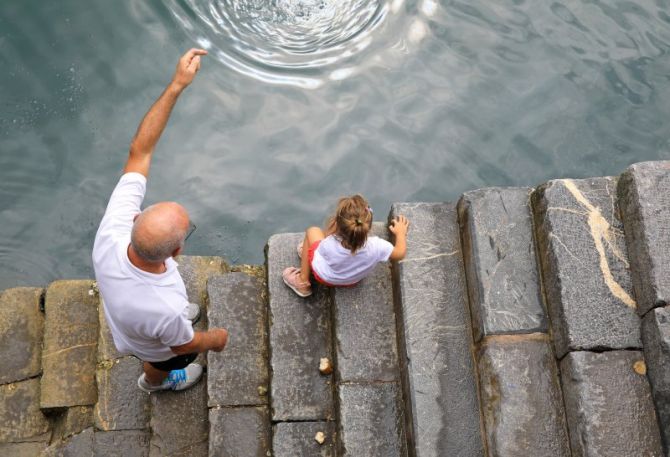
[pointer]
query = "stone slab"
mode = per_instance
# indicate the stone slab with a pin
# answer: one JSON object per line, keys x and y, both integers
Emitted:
{"x": 499, "y": 253}
{"x": 121, "y": 405}
{"x": 121, "y": 443}
{"x": 195, "y": 271}
{"x": 365, "y": 329}
{"x": 80, "y": 445}
{"x": 106, "y": 348}
{"x": 292, "y": 439}
{"x": 585, "y": 266}
{"x": 656, "y": 338}
{"x": 371, "y": 420}
{"x": 20, "y": 416}
{"x": 21, "y": 334}
{"x": 521, "y": 397}
{"x": 300, "y": 334}
{"x": 239, "y": 431}
{"x": 179, "y": 422}
{"x": 30, "y": 449}
{"x": 72, "y": 421}
{"x": 645, "y": 209}
{"x": 70, "y": 344}
{"x": 436, "y": 354}
{"x": 238, "y": 375}
{"x": 608, "y": 405}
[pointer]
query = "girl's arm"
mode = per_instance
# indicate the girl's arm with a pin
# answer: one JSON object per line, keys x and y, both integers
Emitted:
{"x": 399, "y": 228}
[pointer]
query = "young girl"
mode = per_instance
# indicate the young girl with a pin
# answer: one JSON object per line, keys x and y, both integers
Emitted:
{"x": 344, "y": 254}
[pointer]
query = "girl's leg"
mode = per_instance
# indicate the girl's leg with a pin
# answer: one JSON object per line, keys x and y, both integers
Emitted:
{"x": 312, "y": 235}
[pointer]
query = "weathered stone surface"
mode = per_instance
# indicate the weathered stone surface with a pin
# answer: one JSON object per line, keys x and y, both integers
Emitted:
{"x": 656, "y": 338}
{"x": 521, "y": 397}
{"x": 20, "y": 416}
{"x": 292, "y": 439}
{"x": 584, "y": 266}
{"x": 195, "y": 271}
{"x": 122, "y": 443}
{"x": 499, "y": 254}
{"x": 70, "y": 344}
{"x": 238, "y": 303}
{"x": 30, "y": 449}
{"x": 106, "y": 348}
{"x": 121, "y": 405}
{"x": 239, "y": 432}
{"x": 80, "y": 445}
{"x": 72, "y": 421}
{"x": 440, "y": 384}
{"x": 300, "y": 334}
{"x": 645, "y": 210}
{"x": 179, "y": 422}
{"x": 365, "y": 329}
{"x": 608, "y": 405}
{"x": 21, "y": 334}
{"x": 371, "y": 421}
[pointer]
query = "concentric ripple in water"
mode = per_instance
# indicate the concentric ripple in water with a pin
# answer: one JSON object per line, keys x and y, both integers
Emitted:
{"x": 298, "y": 42}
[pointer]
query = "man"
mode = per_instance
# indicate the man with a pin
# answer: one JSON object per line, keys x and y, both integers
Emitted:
{"x": 144, "y": 297}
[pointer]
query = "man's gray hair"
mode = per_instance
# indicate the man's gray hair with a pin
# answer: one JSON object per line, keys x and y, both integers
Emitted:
{"x": 156, "y": 250}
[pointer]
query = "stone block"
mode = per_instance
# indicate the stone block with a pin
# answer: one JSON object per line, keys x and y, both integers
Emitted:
{"x": 585, "y": 266}
{"x": 521, "y": 397}
{"x": 70, "y": 344}
{"x": 195, "y": 271}
{"x": 121, "y": 443}
{"x": 28, "y": 449}
{"x": 499, "y": 253}
{"x": 608, "y": 405}
{"x": 80, "y": 445}
{"x": 436, "y": 343}
{"x": 292, "y": 439}
{"x": 21, "y": 334}
{"x": 238, "y": 375}
{"x": 300, "y": 334}
{"x": 371, "y": 420}
{"x": 179, "y": 422}
{"x": 239, "y": 432}
{"x": 645, "y": 210}
{"x": 72, "y": 421}
{"x": 656, "y": 338}
{"x": 121, "y": 405}
{"x": 20, "y": 416}
{"x": 106, "y": 348}
{"x": 365, "y": 329}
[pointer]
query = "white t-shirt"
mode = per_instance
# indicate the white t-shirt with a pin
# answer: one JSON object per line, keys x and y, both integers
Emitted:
{"x": 146, "y": 312}
{"x": 336, "y": 265}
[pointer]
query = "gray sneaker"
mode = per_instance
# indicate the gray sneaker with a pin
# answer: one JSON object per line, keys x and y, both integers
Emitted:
{"x": 193, "y": 313}
{"x": 176, "y": 380}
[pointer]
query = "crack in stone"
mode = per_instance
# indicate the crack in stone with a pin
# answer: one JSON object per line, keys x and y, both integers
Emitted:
{"x": 442, "y": 254}
{"x": 601, "y": 230}
{"x": 68, "y": 349}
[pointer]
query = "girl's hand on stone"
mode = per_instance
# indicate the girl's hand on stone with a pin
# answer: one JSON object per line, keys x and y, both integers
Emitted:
{"x": 399, "y": 226}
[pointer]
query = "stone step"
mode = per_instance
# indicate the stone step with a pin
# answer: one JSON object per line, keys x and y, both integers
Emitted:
{"x": 300, "y": 334}
{"x": 292, "y": 439}
{"x": 656, "y": 338}
{"x": 21, "y": 333}
{"x": 645, "y": 210}
{"x": 499, "y": 253}
{"x": 69, "y": 353}
{"x": 521, "y": 397}
{"x": 439, "y": 383}
{"x": 585, "y": 266}
{"x": 608, "y": 405}
{"x": 238, "y": 377}
{"x": 23, "y": 425}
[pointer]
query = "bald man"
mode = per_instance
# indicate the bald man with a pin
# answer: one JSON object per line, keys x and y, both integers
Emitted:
{"x": 144, "y": 297}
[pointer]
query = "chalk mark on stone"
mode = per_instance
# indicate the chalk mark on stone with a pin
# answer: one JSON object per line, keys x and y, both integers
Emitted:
{"x": 601, "y": 230}
{"x": 430, "y": 257}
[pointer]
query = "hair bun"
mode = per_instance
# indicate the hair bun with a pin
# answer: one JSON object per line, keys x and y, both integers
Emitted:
{"x": 358, "y": 222}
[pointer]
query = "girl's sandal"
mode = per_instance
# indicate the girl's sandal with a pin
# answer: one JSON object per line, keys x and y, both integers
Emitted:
{"x": 291, "y": 276}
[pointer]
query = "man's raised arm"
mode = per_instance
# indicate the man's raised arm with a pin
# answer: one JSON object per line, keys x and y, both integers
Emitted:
{"x": 153, "y": 124}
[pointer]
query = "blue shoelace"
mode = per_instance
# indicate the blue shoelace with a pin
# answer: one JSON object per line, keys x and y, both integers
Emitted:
{"x": 175, "y": 377}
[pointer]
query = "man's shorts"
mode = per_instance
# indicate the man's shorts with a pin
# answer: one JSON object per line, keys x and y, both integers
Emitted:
{"x": 175, "y": 363}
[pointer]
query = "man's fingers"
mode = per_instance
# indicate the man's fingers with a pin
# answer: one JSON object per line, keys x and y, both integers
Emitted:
{"x": 195, "y": 64}
{"x": 191, "y": 53}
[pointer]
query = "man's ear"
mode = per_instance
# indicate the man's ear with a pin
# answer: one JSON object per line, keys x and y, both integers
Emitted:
{"x": 136, "y": 216}
{"x": 176, "y": 252}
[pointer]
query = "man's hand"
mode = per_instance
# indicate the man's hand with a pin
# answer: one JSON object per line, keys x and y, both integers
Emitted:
{"x": 219, "y": 339}
{"x": 188, "y": 66}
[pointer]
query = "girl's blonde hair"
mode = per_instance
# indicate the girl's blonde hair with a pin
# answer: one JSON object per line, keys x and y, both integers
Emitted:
{"x": 351, "y": 222}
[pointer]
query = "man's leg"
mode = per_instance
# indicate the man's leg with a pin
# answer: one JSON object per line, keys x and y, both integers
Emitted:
{"x": 312, "y": 235}
{"x": 153, "y": 375}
